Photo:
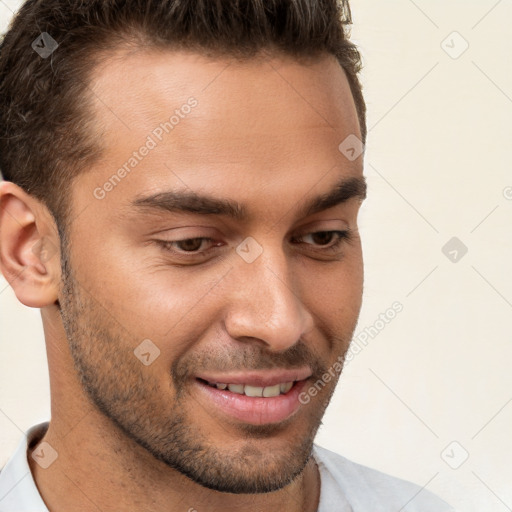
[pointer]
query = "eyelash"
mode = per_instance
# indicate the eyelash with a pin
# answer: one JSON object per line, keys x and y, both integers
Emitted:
{"x": 342, "y": 237}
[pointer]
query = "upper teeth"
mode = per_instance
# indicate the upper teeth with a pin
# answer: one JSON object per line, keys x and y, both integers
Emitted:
{"x": 245, "y": 389}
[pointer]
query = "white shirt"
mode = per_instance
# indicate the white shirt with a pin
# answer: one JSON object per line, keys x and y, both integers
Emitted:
{"x": 345, "y": 485}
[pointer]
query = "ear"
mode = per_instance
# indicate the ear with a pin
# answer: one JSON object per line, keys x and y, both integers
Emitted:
{"x": 29, "y": 247}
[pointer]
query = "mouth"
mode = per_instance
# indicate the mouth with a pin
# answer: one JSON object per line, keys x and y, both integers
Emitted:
{"x": 253, "y": 391}
{"x": 256, "y": 399}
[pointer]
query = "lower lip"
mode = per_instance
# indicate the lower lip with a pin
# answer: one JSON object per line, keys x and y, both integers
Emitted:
{"x": 253, "y": 410}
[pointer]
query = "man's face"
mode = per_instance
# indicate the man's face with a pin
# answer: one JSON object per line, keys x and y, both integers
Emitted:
{"x": 161, "y": 298}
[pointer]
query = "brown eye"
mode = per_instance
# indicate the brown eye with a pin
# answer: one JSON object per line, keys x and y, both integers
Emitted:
{"x": 322, "y": 237}
{"x": 197, "y": 246}
{"x": 324, "y": 240}
{"x": 190, "y": 244}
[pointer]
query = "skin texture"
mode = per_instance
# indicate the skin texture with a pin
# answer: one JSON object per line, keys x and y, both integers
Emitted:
{"x": 265, "y": 132}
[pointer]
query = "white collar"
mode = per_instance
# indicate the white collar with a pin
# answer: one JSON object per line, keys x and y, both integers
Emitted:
{"x": 18, "y": 490}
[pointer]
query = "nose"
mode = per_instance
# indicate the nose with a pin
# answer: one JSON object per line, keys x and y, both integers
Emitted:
{"x": 265, "y": 303}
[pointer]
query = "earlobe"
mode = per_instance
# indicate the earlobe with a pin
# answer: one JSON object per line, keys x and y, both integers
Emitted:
{"x": 29, "y": 255}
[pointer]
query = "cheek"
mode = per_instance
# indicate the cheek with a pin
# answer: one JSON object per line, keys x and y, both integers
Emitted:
{"x": 335, "y": 290}
{"x": 334, "y": 297}
{"x": 162, "y": 304}
{"x": 175, "y": 308}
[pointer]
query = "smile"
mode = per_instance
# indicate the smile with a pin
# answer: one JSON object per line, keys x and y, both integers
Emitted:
{"x": 254, "y": 391}
{"x": 253, "y": 398}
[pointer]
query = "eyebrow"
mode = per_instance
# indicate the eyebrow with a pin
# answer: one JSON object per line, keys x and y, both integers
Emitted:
{"x": 193, "y": 202}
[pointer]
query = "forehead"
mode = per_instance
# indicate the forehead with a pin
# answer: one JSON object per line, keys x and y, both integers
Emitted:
{"x": 158, "y": 79}
{"x": 266, "y": 121}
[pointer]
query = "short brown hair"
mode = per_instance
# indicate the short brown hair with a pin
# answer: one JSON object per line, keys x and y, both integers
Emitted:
{"x": 47, "y": 133}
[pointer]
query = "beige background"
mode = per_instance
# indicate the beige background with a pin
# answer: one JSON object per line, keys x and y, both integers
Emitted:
{"x": 438, "y": 166}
